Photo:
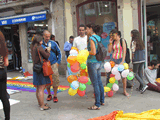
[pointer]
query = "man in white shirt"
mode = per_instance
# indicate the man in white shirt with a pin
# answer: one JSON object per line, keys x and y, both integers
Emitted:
{"x": 80, "y": 42}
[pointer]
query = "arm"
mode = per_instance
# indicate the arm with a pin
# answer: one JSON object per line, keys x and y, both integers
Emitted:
{"x": 124, "y": 51}
{"x": 6, "y": 63}
{"x": 44, "y": 53}
{"x": 74, "y": 43}
{"x": 93, "y": 48}
{"x": 110, "y": 46}
{"x": 133, "y": 48}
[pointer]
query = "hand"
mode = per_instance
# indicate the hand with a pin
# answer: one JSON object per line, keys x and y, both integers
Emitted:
{"x": 48, "y": 49}
{"x": 57, "y": 64}
{"x": 121, "y": 63}
{"x": 110, "y": 40}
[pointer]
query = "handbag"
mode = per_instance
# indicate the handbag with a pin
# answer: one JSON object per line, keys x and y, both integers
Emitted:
{"x": 46, "y": 66}
{"x": 37, "y": 67}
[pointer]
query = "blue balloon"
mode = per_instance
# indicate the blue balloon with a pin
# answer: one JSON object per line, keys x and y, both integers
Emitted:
{"x": 73, "y": 54}
{"x": 120, "y": 68}
{"x": 75, "y": 85}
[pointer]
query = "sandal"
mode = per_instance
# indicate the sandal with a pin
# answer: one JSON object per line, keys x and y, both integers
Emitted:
{"x": 45, "y": 108}
{"x": 126, "y": 94}
{"x": 45, "y": 105}
{"x": 94, "y": 108}
{"x": 102, "y": 104}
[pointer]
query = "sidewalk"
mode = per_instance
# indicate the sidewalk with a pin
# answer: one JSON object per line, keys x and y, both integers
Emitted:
{"x": 75, "y": 107}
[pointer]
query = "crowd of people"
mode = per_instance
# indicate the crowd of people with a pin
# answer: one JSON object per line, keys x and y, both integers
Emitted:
{"x": 46, "y": 48}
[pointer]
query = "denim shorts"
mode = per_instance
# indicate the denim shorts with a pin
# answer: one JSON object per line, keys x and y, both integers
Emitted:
{"x": 117, "y": 61}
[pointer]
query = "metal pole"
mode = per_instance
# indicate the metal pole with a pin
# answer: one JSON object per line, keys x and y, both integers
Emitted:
{"x": 145, "y": 33}
{"x": 142, "y": 20}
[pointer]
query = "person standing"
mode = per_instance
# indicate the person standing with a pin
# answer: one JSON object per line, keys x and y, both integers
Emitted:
{"x": 55, "y": 61}
{"x": 138, "y": 58}
{"x": 68, "y": 45}
{"x": 94, "y": 66}
{"x": 3, "y": 77}
{"x": 119, "y": 53}
{"x": 39, "y": 80}
{"x": 53, "y": 38}
{"x": 80, "y": 42}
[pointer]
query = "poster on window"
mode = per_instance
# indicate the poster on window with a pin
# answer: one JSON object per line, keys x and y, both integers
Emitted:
{"x": 107, "y": 27}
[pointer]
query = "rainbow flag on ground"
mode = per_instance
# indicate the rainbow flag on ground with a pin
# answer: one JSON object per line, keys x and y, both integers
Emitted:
{"x": 27, "y": 86}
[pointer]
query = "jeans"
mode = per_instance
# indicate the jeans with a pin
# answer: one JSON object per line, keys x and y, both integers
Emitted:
{"x": 3, "y": 94}
{"x": 94, "y": 71}
{"x": 137, "y": 69}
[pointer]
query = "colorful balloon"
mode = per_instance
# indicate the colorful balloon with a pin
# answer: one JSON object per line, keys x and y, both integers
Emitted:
{"x": 81, "y": 93}
{"x": 112, "y": 75}
{"x": 71, "y": 78}
{"x": 112, "y": 63}
{"x": 72, "y": 92}
{"x": 75, "y": 85}
{"x": 68, "y": 65}
{"x": 74, "y": 48}
{"x": 89, "y": 82}
{"x": 118, "y": 76}
{"x": 83, "y": 66}
{"x": 83, "y": 79}
{"x": 112, "y": 80}
{"x": 107, "y": 67}
{"x": 73, "y": 52}
{"x": 75, "y": 67}
{"x": 126, "y": 66}
{"x": 116, "y": 82}
{"x": 125, "y": 73}
{"x": 110, "y": 93}
{"x": 110, "y": 85}
{"x": 130, "y": 76}
{"x": 107, "y": 89}
{"x": 115, "y": 70}
{"x": 115, "y": 87}
{"x": 72, "y": 59}
{"x": 120, "y": 68}
{"x": 82, "y": 87}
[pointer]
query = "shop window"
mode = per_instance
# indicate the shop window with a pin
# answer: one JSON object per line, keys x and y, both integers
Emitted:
{"x": 33, "y": 28}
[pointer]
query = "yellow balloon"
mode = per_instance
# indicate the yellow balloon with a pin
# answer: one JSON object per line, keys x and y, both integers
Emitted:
{"x": 107, "y": 89}
{"x": 126, "y": 66}
{"x": 72, "y": 92}
{"x": 86, "y": 70}
{"x": 112, "y": 80}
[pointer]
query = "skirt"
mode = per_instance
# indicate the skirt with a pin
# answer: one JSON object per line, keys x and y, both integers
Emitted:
{"x": 40, "y": 79}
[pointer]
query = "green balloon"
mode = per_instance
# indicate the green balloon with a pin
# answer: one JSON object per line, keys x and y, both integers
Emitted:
{"x": 116, "y": 82}
{"x": 89, "y": 82}
{"x": 68, "y": 65}
{"x": 110, "y": 85}
{"x": 130, "y": 76}
{"x": 82, "y": 87}
{"x": 83, "y": 66}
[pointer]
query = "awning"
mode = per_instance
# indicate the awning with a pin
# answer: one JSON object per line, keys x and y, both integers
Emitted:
{"x": 23, "y": 18}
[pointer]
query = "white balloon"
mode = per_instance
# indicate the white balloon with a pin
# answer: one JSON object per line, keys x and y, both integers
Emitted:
{"x": 125, "y": 73}
{"x": 115, "y": 87}
{"x": 118, "y": 76}
{"x": 73, "y": 52}
{"x": 115, "y": 70}
{"x": 107, "y": 67}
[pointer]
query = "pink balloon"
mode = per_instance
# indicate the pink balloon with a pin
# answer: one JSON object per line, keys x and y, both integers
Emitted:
{"x": 115, "y": 70}
{"x": 115, "y": 87}
{"x": 83, "y": 79}
{"x": 107, "y": 67}
{"x": 125, "y": 73}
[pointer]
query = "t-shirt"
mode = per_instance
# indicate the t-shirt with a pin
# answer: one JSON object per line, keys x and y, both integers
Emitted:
{"x": 150, "y": 76}
{"x": 92, "y": 58}
{"x": 80, "y": 43}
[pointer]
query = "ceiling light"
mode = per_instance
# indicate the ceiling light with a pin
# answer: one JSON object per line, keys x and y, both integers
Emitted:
{"x": 106, "y": 5}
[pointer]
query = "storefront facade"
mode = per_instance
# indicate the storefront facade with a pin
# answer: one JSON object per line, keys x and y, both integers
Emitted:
{"x": 30, "y": 17}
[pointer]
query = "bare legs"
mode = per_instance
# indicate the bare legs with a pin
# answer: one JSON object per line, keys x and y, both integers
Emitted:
{"x": 124, "y": 80}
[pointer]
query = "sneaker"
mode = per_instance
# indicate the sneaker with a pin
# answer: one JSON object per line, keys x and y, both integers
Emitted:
{"x": 55, "y": 99}
{"x": 144, "y": 89}
{"x": 49, "y": 98}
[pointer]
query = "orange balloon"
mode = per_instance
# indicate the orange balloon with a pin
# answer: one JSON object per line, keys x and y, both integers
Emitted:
{"x": 75, "y": 67}
{"x": 83, "y": 73}
{"x": 72, "y": 59}
{"x": 72, "y": 78}
{"x": 74, "y": 48}
{"x": 112, "y": 64}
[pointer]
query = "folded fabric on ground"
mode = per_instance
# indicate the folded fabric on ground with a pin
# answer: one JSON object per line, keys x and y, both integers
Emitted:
{"x": 10, "y": 91}
{"x": 12, "y": 102}
{"x": 27, "y": 86}
{"x": 118, "y": 115}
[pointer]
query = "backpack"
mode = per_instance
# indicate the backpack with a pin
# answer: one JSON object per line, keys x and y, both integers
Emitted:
{"x": 127, "y": 59}
{"x": 101, "y": 51}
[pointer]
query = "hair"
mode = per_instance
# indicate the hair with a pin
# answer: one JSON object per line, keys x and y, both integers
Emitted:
{"x": 114, "y": 31}
{"x": 71, "y": 37}
{"x": 96, "y": 28}
{"x": 154, "y": 62}
{"x": 36, "y": 40}
{"x": 52, "y": 36}
{"x": 119, "y": 33}
{"x": 3, "y": 48}
{"x": 137, "y": 38}
{"x": 82, "y": 25}
{"x": 46, "y": 31}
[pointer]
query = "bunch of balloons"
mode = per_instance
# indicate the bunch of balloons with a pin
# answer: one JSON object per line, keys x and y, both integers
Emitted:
{"x": 117, "y": 72}
{"x": 79, "y": 73}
